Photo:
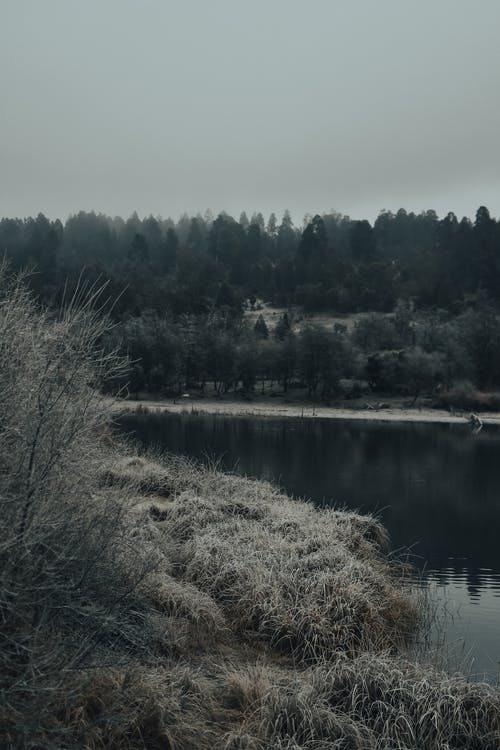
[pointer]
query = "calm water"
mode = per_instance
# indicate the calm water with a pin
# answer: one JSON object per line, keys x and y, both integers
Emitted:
{"x": 435, "y": 487}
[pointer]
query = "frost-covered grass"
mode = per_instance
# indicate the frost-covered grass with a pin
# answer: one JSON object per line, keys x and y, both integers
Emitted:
{"x": 308, "y": 582}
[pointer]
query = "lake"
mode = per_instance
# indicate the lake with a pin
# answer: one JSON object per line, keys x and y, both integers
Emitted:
{"x": 434, "y": 486}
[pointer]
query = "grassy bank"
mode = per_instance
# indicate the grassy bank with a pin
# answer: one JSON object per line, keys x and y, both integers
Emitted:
{"x": 148, "y": 603}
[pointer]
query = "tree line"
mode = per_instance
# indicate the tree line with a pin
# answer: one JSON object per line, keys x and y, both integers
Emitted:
{"x": 396, "y": 354}
{"x": 179, "y": 291}
{"x": 200, "y": 263}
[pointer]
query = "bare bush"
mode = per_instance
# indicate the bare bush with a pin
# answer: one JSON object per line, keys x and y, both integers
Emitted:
{"x": 68, "y": 566}
{"x": 466, "y": 396}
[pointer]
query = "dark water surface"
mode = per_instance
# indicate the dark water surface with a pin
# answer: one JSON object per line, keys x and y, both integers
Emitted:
{"x": 434, "y": 486}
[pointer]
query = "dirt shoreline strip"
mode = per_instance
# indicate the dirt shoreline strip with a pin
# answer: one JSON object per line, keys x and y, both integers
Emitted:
{"x": 306, "y": 411}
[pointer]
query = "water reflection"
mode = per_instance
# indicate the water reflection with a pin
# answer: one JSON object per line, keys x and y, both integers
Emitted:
{"x": 435, "y": 488}
{"x": 477, "y": 581}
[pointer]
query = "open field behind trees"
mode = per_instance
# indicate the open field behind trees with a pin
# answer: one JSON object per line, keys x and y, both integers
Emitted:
{"x": 148, "y": 603}
{"x": 300, "y": 319}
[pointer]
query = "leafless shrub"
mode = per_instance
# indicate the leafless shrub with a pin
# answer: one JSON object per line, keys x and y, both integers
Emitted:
{"x": 68, "y": 567}
{"x": 464, "y": 395}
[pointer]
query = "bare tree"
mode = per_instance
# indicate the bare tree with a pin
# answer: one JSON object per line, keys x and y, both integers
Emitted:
{"x": 68, "y": 567}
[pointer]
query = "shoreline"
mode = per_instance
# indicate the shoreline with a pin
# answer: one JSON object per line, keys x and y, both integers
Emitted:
{"x": 264, "y": 409}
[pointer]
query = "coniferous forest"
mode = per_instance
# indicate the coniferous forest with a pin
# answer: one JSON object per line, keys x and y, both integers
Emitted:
{"x": 421, "y": 294}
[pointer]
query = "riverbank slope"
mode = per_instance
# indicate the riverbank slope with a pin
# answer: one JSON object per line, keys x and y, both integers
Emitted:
{"x": 257, "y": 621}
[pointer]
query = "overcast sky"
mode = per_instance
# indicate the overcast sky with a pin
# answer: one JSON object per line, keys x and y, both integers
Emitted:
{"x": 166, "y": 106}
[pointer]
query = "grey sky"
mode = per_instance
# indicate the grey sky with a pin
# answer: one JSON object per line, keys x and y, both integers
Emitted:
{"x": 165, "y": 106}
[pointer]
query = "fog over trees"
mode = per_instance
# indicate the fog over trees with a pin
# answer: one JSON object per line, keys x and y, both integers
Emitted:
{"x": 180, "y": 291}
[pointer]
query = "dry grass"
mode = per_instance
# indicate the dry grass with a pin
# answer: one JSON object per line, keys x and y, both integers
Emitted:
{"x": 371, "y": 701}
{"x": 310, "y": 582}
{"x": 148, "y": 603}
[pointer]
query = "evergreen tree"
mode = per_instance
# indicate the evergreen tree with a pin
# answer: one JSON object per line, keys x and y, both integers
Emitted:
{"x": 260, "y": 328}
